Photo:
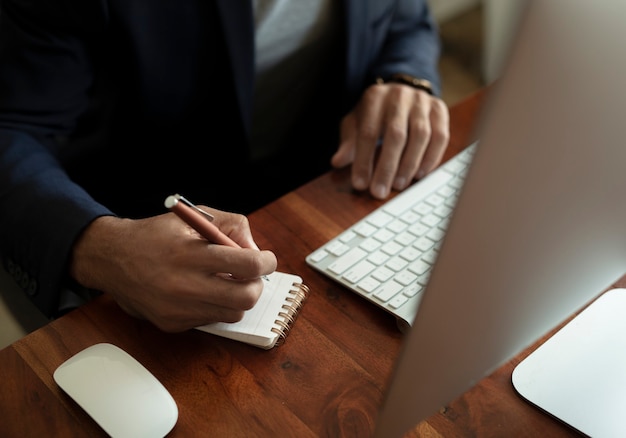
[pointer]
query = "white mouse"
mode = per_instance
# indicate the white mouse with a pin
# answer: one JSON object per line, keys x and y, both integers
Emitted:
{"x": 119, "y": 393}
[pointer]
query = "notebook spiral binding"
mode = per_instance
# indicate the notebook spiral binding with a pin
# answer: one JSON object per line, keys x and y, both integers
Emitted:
{"x": 288, "y": 315}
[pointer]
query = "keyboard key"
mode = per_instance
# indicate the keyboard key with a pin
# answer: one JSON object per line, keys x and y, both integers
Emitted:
{"x": 396, "y": 226}
{"x": 423, "y": 279}
{"x": 358, "y": 271}
{"x": 423, "y": 244}
{"x": 379, "y": 219}
{"x": 398, "y": 301}
{"x": 370, "y": 244}
{"x": 364, "y": 229}
{"x": 451, "y": 201}
{"x": 388, "y": 291}
{"x": 435, "y": 200}
{"x": 412, "y": 290}
{"x": 422, "y": 209}
{"x": 419, "y": 267}
{"x": 348, "y": 259}
{"x": 382, "y": 274}
{"x": 391, "y": 248}
{"x": 368, "y": 284}
{"x": 455, "y": 166}
{"x": 410, "y": 253}
{"x": 396, "y": 264}
{"x": 442, "y": 211}
{"x": 418, "y": 229}
{"x": 446, "y": 192}
{"x": 410, "y": 217}
{"x": 378, "y": 257}
{"x": 430, "y": 257}
{"x": 456, "y": 183}
{"x": 431, "y": 220}
{"x": 405, "y": 238}
{"x": 436, "y": 234}
{"x": 347, "y": 236}
{"x": 318, "y": 256}
{"x": 384, "y": 235}
{"x": 337, "y": 248}
{"x": 405, "y": 278}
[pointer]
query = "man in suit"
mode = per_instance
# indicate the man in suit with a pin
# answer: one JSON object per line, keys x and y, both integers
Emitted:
{"x": 108, "y": 106}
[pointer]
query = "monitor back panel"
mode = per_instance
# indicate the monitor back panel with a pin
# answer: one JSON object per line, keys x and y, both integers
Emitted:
{"x": 540, "y": 225}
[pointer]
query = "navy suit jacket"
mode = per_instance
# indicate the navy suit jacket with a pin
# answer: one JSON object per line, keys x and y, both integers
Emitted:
{"x": 108, "y": 106}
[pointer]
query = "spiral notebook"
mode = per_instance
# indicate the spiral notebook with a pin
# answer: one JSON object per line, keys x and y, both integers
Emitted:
{"x": 268, "y": 323}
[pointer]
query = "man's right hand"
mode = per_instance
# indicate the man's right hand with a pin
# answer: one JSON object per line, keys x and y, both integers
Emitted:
{"x": 162, "y": 270}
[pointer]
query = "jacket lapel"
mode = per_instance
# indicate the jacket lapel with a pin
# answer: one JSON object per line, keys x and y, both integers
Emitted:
{"x": 356, "y": 13}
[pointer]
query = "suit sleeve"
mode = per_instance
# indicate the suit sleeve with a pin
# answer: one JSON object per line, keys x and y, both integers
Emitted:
{"x": 45, "y": 79}
{"x": 412, "y": 45}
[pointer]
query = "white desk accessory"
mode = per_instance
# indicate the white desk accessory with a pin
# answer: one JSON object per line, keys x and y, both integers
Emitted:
{"x": 119, "y": 393}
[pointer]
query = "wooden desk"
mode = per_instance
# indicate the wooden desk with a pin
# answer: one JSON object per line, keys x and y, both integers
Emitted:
{"x": 328, "y": 379}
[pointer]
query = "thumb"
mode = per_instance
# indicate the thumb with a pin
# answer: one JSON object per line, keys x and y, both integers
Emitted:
{"x": 347, "y": 144}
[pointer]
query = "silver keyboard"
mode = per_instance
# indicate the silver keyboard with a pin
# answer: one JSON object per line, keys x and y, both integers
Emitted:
{"x": 387, "y": 256}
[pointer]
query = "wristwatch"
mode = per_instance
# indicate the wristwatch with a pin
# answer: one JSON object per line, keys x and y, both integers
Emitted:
{"x": 401, "y": 78}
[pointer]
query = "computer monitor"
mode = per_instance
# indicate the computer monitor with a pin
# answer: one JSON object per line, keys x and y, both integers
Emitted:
{"x": 540, "y": 226}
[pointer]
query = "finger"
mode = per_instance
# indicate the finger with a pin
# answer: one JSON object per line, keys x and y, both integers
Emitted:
{"x": 196, "y": 256}
{"x": 223, "y": 292}
{"x": 345, "y": 153}
{"x": 209, "y": 299}
{"x": 241, "y": 263}
{"x": 190, "y": 305}
{"x": 236, "y": 226}
{"x": 397, "y": 107}
{"x": 181, "y": 318}
{"x": 419, "y": 134}
{"x": 368, "y": 133}
{"x": 439, "y": 138}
